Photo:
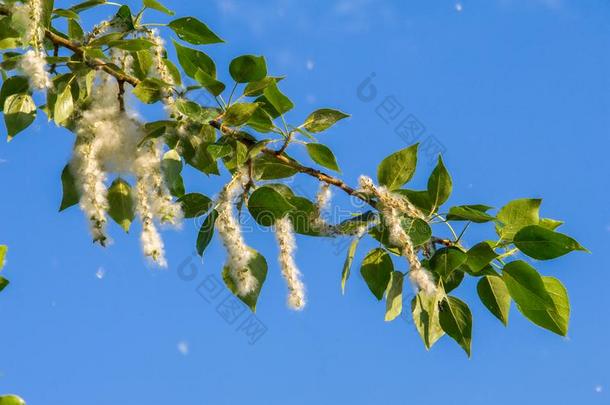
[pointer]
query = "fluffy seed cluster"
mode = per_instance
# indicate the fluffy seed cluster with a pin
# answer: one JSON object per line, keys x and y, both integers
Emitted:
{"x": 323, "y": 198}
{"x": 107, "y": 142}
{"x": 392, "y": 206}
{"x": 284, "y": 234}
{"x": 33, "y": 63}
{"x": 239, "y": 254}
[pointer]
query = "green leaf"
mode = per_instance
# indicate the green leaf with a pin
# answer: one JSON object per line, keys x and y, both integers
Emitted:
{"x": 426, "y": 313}
{"x": 256, "y": 88}
{"x": 474, "y": 213}
{"x": 274, "y": 98}
{"x": 494, "y": 295}
{"x": 13, "y": 85}
{"x": 75, "y": 31}
{"x": 86, "y": 5}
{"x": 239, "y": 114}
{"x": 123, "y": 19}
{"x": 192, "y": 30}
{"x": 269, "y": 168}
{"x": 172, "y": 167}
{"x": 439, "y": 185}
{"x": 479, "y": 256}
{"x": 446, "y": 260}
{"x": 155, "y": 5}
{"x": 394, "y": 296}
{"x": 149, "y": 90}
{"x": 194, "y": 204}
{"x": 518, "y": 214}
{"x": 193, "y": 60}
{"x": 70, "y": 195}
{"x": 248, "y": 68}
{"x": 19, "y": 113}
{"x": 347, "y": 265}
{"x": 543, "y": 244}
{"x": 543, "y": 300}
{"x": 321, "y": 120}
{"x": 204, "y": 237}
{"x": 266, "y": 205}
{"x": 3, "y": 283}
{"x": 69, "y": 14}
{"x": 121, "y": 204}
{"x": 64, "y": 105}
{"x": 210, "y": 83}
{"x": 322, "y": 155}
{"x": 376, "y": 269}
{"x": 456, "y": 320}
{"x": 258, "y": 267}
{"x": 549, "y": 223}
{"x": 398, "y": 168}
{"x": 3, "y": 250}
{"x": 11, "y": 400}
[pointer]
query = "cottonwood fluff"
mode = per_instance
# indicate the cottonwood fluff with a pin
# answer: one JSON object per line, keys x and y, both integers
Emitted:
{"x": 284, "y": 234}
{"x": 227, "y": 224}
{"x": 392, "y": 208}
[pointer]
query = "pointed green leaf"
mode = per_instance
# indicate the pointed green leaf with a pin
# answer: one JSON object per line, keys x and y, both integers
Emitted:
{"x": 172, "y": 167}
{"x": 149, "y": 90}
{"x": 376, "y": 269}
{"x": 456, "y": 320}
{"x": 3, "y": 283}
{"x": 194, "y": 204}
{"x": 276, "y": 103}
{"x": 446, "y": 260}
{"x": 439, "y": 185}
{"x": 121, "y": 204}
{"x": 543, "y": 300}
{"x": 494, "y": 295}
{"x": 239, "y": 114}
{"x": 394, "y": 296}
{"x": 192, "y": 60}
{"x": 549, "y": 223}
{"x": 474, "y": 213}
{"x": 322, "y": 155}
{"x": 155, "y": 5}
{"x": 19, "y": 113}
{"x": 70, "y": 193}
{"x": 266, "y": 205}
{"x": 64, "y": 105}
{"x": 479, "y": 256}
{"x": 206, "y": 232}
{"x": 347, "y": 265}
{"x": 192, "y": 30}
{"x": 321, "y": 120}
{"x": 426, "y": 312}
{"x": 543, "y": 244}
{"x": 518, "y": 214}
{"x": 398, "y": 168}
{"x": 14, "y": 85}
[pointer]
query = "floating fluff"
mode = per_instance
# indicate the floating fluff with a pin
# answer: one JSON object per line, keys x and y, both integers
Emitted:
{"x": 239, "y": 254}
{"x": 392, "y": 206}
{"x": 284, "y": 234}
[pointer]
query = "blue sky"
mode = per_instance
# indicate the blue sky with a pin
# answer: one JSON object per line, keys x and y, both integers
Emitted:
{"x": 515, "y": 92}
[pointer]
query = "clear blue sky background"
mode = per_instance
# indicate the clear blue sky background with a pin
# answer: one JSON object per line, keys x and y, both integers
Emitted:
{"x": 516, "y": 91}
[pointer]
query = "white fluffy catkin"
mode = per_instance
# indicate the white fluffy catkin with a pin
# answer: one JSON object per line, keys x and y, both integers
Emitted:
{"x": 33, "y": 63}
{"x": 107, "y": 141}
{"x": 239, "y": 254}
{"x": 392, "y": 206}
{"x": 284, "y": 234}
{"x": 152, "y": 244}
